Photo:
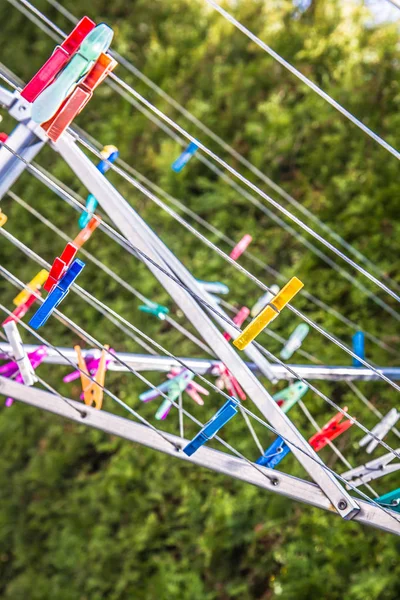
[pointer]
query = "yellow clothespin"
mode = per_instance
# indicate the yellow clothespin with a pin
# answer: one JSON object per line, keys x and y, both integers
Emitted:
{"x": 92, "y": 392}
{"x": 108, "y": 150}
{"x": 3, "y": 218}
{"x": 34, "y": 285}
{"x": 270, "y": 312}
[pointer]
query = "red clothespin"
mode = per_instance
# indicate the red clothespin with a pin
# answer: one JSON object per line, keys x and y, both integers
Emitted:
{"x": 21, "y": 310}
{"x": 330, "y": 431}
{"x": 60, "y": 265}
{"x": 3, "y": 136}
{"x": 76, "y": 102}
{"x": 239, "y": 319}
{"x": 85, "y": 233}
{"x": 57, "y": 60}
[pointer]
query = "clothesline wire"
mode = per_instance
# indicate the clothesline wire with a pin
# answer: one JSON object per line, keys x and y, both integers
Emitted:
{"x": 216, "y": 138}
{"x": 226, "y": 166}
{"x": 274, "y": 480}
{"x": 92, "y": 298}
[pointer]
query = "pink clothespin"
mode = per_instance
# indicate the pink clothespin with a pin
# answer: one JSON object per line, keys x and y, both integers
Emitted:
{"x": 36, "y": 357}
{"x": 229, "y": 383}
{"x": 193, "y": 389}
{"x": 241, "y": 246}
{"x": 21, "y": 310}
{"x": 239, "y": 319}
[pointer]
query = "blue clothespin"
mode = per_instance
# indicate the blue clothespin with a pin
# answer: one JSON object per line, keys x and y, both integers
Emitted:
{"x": 274, "y": 454}
{"x": 184, "y": 158}
{"x": 225, "y": 414}
{"x": 154, "y": 309}
{"x": 57, "y": 295}
{"x": 110, "y": 154}
{"x": 391, "y": 500}
{"x": 358, "y": 348}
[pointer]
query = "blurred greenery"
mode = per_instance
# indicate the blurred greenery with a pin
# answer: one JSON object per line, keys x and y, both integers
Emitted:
{"x": 86, "y": 516}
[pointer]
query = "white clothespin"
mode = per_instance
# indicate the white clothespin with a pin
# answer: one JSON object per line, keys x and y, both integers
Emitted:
{"x": 372, "y": 470}
{"x": 380, "y": 430}
{"x": 22, "y": 360}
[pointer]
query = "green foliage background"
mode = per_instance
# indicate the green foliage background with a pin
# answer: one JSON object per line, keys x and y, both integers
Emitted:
{"x": 86, "y": 516}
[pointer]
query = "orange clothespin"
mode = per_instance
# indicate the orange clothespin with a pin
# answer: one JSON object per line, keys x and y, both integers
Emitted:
{"x": 77, "y": 101}
{"x": 85, "y": 233}
{"x": 93, "y": 390}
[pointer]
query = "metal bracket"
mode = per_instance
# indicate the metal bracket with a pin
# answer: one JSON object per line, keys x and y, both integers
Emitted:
{"x": 286, "y": 485}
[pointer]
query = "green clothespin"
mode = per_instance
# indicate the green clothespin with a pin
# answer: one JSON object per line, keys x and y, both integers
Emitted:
{"x": 154, "y": 309}
{"x": 176, "y": 388}
{"x": 391, "y": 500}
{"x": 49, "y": 101}
{"x": 290, "y": 395}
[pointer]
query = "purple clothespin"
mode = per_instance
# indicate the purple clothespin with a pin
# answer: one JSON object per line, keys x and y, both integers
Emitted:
{"x": 36, "y": 357}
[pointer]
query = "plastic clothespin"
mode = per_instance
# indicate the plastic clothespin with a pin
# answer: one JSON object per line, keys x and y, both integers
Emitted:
{"x": 238, "y": 319}
{"x": 33, "y": 286}
{"x": 96, "y": 42}
{"x": 290, "y": 395}
{"x": 184, "y": 158}
{"x": 177, "y": 385}
{"x": 270, "y": 312}
{"x": 330, "y": 431}
{"x": 391, "y": 500}
{"x": 227, "y": 381}
{"x": 110, "y": 155}
{"x": 193, "y": 389}
{"x": 241, "y": 246}
{"x": 374, "y": 469}
{"x": 380, "y": 430}
{"x": 21, "y": 310}
{"x": 3, "y": 218}
{"x": 213, "y": 287}
{"x": 358, "y": 348}
{"x": 57, "y": 60}
{"x": 295, "y": 340}
{"x": 155, "y": 309}
{"x": 57, "y": 295}
{"x": 59, "y": 266}
{"x": 3, "y": 137}
{"x": 22, "y": 360}
{"x": 264, "y": 300}
{"x": 93, "y": 391}
{"x": 210, "y": 429}
{"x": 85, "y": 234}
{"x": 81, "y": 95}
{"x": 274, "y": 454}
{"x": 36, "y": 358}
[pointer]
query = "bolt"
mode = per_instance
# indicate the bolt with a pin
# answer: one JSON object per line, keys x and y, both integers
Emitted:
{"x": 342, "y": 505}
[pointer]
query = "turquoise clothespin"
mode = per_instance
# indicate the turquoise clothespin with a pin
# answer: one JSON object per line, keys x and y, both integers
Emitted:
{"x": 295, "y": 340}
{"x": 184, "y": 158}
{"x": 155, "y": 309}
{"x": 176, "y": 387}
{"x": 391, "y": 500}
{"x": 290, "y": 395}
{"x": 48, "y": 102}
